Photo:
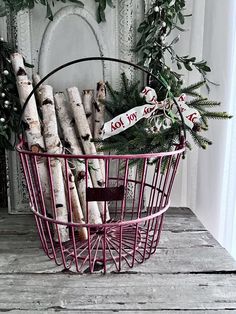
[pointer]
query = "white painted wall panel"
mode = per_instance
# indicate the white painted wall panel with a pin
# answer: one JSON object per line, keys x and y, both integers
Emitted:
{"x": 74, "y": 33}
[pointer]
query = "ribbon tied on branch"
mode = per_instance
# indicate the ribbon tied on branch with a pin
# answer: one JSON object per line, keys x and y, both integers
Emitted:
{"x": 151, "y": 110}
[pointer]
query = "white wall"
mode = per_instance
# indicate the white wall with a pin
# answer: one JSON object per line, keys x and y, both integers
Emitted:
{"x": 206, "y": 182}
{"x": 211, "y": 174}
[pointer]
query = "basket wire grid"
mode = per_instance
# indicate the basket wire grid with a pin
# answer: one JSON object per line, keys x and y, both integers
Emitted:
{"x": 132, "y": 234}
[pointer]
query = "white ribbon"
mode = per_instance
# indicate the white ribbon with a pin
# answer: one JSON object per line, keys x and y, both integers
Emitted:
{"x": 131, "y": 117}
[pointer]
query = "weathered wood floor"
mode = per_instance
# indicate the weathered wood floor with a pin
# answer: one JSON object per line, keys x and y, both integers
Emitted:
{"x": 190, "y": 273}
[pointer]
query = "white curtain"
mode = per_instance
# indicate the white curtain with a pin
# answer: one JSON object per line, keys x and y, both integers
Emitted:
{"x": 209, "y": 177}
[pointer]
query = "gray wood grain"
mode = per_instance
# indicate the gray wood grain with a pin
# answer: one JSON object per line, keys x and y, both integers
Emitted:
{"x": 104, "y": 311}
{"x": 182, "y": 248}
{"x": 202, "y": 259}
{"x": 169, "y": 240}
{"x": 190, "y": 273}
{"x": 118, "y": 292}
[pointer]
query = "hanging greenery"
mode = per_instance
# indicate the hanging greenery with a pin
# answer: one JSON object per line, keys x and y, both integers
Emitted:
{"x": 9, "y": 98}
{"x": 154, "y": 48}
{"x": 18, "y": 5}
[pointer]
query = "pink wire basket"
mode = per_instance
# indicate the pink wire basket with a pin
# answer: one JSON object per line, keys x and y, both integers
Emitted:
{"x": 133, "y": 232}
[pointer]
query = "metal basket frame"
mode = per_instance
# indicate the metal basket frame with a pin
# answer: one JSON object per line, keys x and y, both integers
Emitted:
{"x": 133, "y": 234}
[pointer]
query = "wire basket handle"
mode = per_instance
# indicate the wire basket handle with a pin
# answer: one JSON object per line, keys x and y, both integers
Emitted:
{"x": 182, "y": 136}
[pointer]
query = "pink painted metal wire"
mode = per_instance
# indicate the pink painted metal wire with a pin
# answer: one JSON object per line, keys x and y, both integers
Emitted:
{"x": 132, "y": 234}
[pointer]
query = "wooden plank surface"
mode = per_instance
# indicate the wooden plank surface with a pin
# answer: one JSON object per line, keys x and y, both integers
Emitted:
{"x": 196, "y": 311}
{"x": 127, "y": 312}
{"x": 118, "y": 292}
{"x": 190, "y": 273}
{"x": 29, "y": 258}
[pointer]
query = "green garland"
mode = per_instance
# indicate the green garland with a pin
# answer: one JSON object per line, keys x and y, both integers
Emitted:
{"x": 18, "y": 5}
{"x": 153, "y": 48}
{"x": 9, "y": 98}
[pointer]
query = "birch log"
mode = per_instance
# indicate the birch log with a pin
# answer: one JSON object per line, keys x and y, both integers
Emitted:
{"x": 77, "y": 213}
{"x": 54, "y": 146}
{"x": 17, "y": 62}
{"x": 99, "y": 116}
{"x": 89, "y": 147}
{"x": 36, "y": 80}
{"x": 99, "y": 109}
{"x": 88, "y": 98}
{"x": 66, "y": 121}
{"x": 32, "y": 124}
{"x": 31, "y": 119}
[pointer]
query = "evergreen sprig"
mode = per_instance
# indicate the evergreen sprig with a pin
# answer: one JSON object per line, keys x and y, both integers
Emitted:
{"x": 153, "y": 47}
{"x": 144, "y": 137}
{"x": 140, "y": 138}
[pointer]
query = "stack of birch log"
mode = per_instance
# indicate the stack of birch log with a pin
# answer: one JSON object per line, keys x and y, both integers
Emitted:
{"x": 74, "y": 116}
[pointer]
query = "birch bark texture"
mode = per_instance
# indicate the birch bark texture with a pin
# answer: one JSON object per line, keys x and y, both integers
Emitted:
{"x": 31, "y": 120}
{"x": 73, "y": 201}
{"x": 99, "y": 109}
{"x": 88, "y": 146}
{"x": 99, "y": 117}
{"x": 36, "y": 79}
{"x": 66, "y": 121}
{"x": 88, "y": 99}
{"x": 54, "y": 146}
{"x": 32, "y": 124}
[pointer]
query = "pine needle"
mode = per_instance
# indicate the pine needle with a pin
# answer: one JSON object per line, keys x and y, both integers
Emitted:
{"x": 193, "y": 87}
{"x": 217, "y": 115}
{"x": 193, "y": 94}
{"x": 200, "y": 140}
{"x": 203, "y": 103}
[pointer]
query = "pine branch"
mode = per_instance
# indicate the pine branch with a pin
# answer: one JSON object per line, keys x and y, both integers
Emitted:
{"x": 203, "y": 103}
{"x": 188, "y": 145}
{"x": 199, "y": 140}
{"x": 194, "y": 94}
{"x": 125, "y": 84}
{"x": 193, "y": 87}
{"x": 205, "y": 121}
{"x": 112, "y": 93}
{"x": 217, "y": 115}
